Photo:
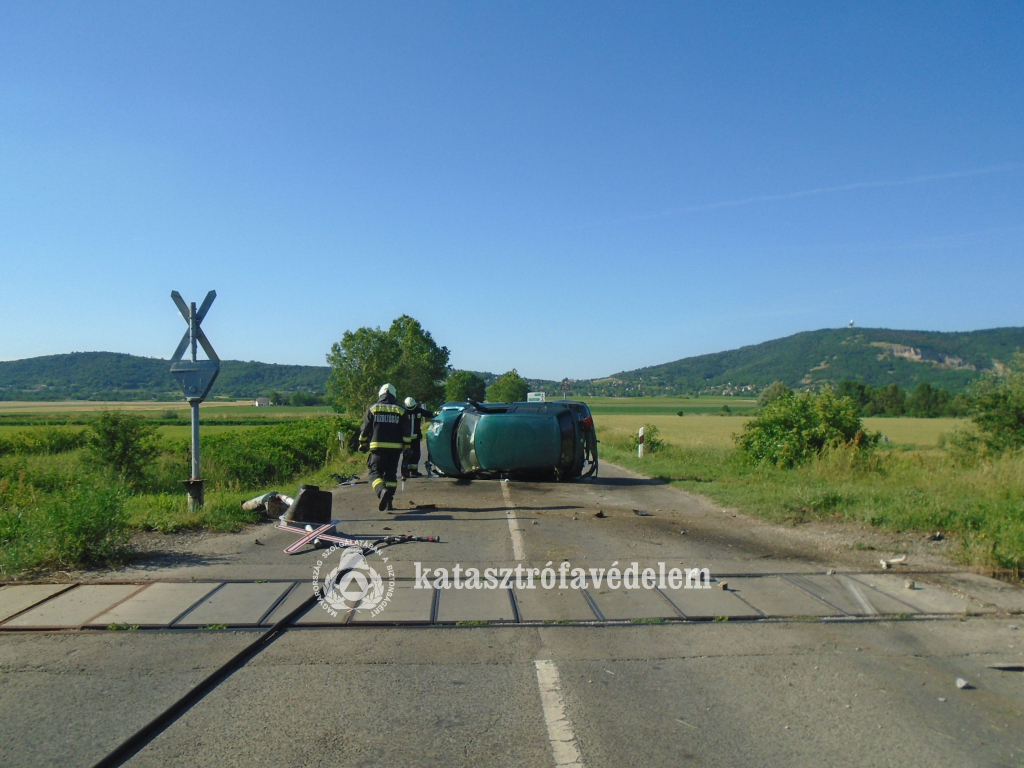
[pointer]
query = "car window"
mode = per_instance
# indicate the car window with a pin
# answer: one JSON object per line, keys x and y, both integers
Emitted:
{"x": 565, "y": 424}
{"x": 465, "y": 442}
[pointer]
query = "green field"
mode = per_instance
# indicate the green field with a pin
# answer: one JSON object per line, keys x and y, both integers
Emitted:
{"x": 705, "y": 430}
{"x": 667, "y": 406}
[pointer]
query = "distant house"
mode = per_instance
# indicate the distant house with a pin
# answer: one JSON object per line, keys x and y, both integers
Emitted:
{"x": 260, "y": 402}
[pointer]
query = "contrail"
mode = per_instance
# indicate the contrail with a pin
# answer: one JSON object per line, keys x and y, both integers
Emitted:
{"x": 838, "y": 188}
{"x": 849, "y": 187}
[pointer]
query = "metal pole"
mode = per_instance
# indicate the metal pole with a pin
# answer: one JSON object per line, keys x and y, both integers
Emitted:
{"x": 195, "y": 490}
{"x": 195, "y": 440}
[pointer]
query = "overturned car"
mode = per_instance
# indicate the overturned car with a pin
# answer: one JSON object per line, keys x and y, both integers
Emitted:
{"x": 552, "y": 441}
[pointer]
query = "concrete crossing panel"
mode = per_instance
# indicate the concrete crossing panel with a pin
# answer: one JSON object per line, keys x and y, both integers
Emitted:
{"x": 620, "y": 604}
{"x": 321, "y": 614}
{"x": 75, "y": 607}
{"x": 999, "y": 594}
{"x": 242, "y": 604}
{"x": 553, "y": 605}
{"x": 293, "y": 600}
{"x": 851, "y": 597}
{"x": 155, "y": 606}
{"x": 474, "y": 605}
{"x": 710, "y": 603}
{"x": 777, "y": 597}
{"x": 15, "y": 598}
{"x": 407, "y": 605}
{"x": 923, "y": 598}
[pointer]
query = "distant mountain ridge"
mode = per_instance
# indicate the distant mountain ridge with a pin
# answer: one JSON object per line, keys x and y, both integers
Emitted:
{"x": 875, "y": 356}
{"x": 811, "y": 359}
{"x": 116, "y": 376}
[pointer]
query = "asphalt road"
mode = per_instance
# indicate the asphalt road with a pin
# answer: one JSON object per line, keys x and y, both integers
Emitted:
{"x": 795, "y": 692}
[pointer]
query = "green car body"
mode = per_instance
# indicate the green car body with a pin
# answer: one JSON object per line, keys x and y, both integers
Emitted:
{"x": 554, "y": 440}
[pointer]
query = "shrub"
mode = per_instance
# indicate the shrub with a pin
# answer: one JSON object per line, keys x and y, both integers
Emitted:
{"x": 792, "y": 429}
{"x": 123, "y": 443}
{"x": 652, "y": 440}
{"x": 42, "y": 440}
{"x": 998, "y": 410}
{"x": 79, "y": 525}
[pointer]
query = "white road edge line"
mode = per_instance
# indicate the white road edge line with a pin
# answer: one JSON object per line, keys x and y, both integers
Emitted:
{"x": 563, "y": 740}
{"x": 513, "y": 523}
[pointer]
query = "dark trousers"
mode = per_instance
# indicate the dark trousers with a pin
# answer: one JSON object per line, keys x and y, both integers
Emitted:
{"x": 411, "y": 458}
{"x": 383, "y": 466}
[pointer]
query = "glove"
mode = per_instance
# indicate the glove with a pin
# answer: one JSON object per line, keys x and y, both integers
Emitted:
{"x": 364, "y": 448}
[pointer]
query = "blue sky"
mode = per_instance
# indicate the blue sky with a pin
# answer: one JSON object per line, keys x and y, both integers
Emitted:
{"x": 571, "y": 189}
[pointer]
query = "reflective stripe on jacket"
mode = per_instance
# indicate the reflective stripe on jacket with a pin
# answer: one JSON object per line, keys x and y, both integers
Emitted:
{"x": 386, "y": 425}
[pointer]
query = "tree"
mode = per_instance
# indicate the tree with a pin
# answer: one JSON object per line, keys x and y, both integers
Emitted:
{"x": 509, "y": 388}
{"x": 124, "y": 443}
{"x": 772, "y": 391}
{"x": 856, "y": 391}
{"x": 422, "y": 364}
{"x": 927, "y": 402}
{"x": 362, "y": 361}
{"x": 998, "y": 408}
{"x": 889, "y": 400}
{"x": 464, "y": 385}
{"x": 305, "y": 399}
{"x": 405, "y": 355}
{"x": 276, "y": 398}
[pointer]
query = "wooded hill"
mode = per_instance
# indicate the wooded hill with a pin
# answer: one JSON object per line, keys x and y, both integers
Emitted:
{"x": 113, "y": 376}
{"x": 875, "y": 356}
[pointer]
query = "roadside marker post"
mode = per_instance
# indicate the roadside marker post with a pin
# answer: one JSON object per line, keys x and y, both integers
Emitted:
{"x": 195, "y": 377}
{"x": 640, "y": 444}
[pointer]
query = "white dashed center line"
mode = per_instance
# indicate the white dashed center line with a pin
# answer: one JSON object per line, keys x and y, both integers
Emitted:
{"x": 563, "y": 740}
{"x": 513, "y": 523}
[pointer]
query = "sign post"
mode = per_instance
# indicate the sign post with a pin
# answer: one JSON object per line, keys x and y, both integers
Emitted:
{"x": 195, "y": 377}
{"x": 640, "y": 444}
{"x": 566, "y": 387}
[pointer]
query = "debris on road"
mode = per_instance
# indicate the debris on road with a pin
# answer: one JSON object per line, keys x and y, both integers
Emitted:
{"x": 963, "y": 684}
{"x": 887, "y": 564}
{"x": 259, "y": 543}
{"x": 909, "y": 584}
{"x": 937, "y": 536}
{"x": 274, "y": 504}
{"x": 642, "y": 513}
{"x": 724, "y": 585}
{"x": 830, "y": 572}
{"x": 600, "y": 513}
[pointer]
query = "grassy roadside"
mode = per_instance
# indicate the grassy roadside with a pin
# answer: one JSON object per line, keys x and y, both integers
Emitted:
{"x": 901, "y": 489}
{"x": 59, "y": 510}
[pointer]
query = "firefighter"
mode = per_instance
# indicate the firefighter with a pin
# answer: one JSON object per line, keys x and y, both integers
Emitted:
{"x": 411, "y": 457}
{"x": 385, "y": 434}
